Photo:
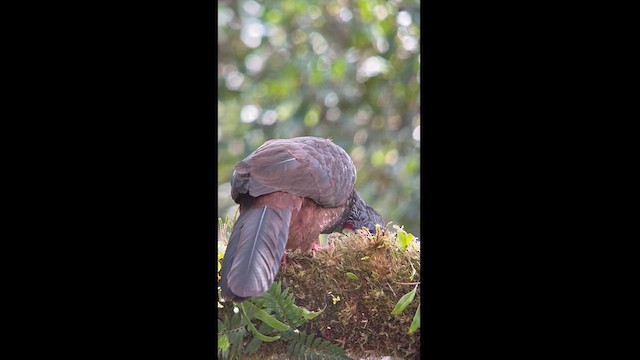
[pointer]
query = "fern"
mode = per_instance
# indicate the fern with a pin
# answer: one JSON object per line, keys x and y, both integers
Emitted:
{"x": 283, "y": 305}
{"x": 231, "y": 331}
{"x": 303, "y": 346}
{"x": 280, "y": 317}
{"x": 254, "y": 344}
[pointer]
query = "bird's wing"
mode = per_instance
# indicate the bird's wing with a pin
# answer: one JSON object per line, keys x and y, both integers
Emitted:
{"x": 308, "y": 167}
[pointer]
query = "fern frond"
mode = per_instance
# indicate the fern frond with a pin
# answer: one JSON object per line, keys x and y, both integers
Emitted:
{"x": 283, "y": 306}
{"x": 254, "y": 343}
{"x": 303, "y": 346}
{"x": 231, "y": 331}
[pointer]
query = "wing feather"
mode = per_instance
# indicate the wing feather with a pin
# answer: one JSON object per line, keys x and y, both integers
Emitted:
{"x": 309, "y": 167}
{"x": 254, "y": 252}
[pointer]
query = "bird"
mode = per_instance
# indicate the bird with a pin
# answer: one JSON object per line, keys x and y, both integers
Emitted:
{"x": 289, "y": 191}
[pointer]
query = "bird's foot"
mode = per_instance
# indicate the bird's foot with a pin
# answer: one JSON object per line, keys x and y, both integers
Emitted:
{"x": 316, "y": 247}
{"x": 284, "y": 261}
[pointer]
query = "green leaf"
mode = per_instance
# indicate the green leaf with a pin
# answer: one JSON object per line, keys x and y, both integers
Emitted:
{"x": 310, "y": 314}
{"x": 292, "y": 344}
{"x": 223, "y": 342}
{"x": 352, "y": 276}
{"x": 315, "y": 75}
{"x": 271, "y": 321}
{"x": 413, "y": 270}
{"x": 339, "y": 68}
{"x": 255, "y": 331}
{"x": 377, "y": 158}
{"x": 261, "y": 336}
{"x": 323, "y": 239}
{"x": 404, "y": 301}
{"x": 273, "y": 16}
{"x": 253, "y": 345}
{"x": 281, "y": 305}
{"x": 415, "y": 324}
{"x": 306, "y": 346}
{"x": 404, "y": 238}
{"x": 266, "y": 318}
{"x": 311, "y": 118}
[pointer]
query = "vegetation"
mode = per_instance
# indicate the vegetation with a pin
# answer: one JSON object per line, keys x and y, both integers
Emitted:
{"x": 358, "y": 297}
{"x": 287, "y": 317}
{"x": 344, "y": 69}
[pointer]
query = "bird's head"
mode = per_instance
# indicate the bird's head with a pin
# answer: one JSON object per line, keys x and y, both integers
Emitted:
{"x": 362, "y": 215}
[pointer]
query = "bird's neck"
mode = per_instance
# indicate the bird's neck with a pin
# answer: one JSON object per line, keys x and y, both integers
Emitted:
{"x": 362, "y": 215}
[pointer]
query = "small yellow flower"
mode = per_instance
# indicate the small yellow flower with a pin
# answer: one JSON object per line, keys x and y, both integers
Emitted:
{"x": 335, "y": 299}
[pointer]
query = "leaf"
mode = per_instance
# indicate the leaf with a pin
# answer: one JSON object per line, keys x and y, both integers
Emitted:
{"x": 404, "y": 238}
{"x": 255, "y": 331}
{"x": 352, "y": 276}
{"x": 309, "y": 340}
{"x": 270, "y": 320}
{"x": 230, "y": 334}
{"x": 338, "y": 69}
{"x": 413, "y": 270}
{"x": 323, "y": 239}
{"x": 261, "y": 336}
{"x": 266, "y": 318}
{"x": 292, "y": 344}
{"x": 281, "y": 305}
{"x": 404, "y": 301}
{"x": 415, "y": 324}
{"x": 310, "y": 314}
{"x": 303, "y": 346}
{"x": 223, "y": 342}
{"x": 253, "y": 346}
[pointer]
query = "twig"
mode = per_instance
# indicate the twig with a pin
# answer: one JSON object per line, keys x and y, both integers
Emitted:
{"x": 407, "y": 283}
{"x": 394, "y": 293}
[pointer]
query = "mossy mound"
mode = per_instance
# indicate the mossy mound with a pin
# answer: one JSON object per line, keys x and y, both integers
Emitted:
{"x": 357, "y": 283}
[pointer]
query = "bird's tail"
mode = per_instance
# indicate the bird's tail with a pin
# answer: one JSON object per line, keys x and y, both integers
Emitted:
{"x": 254, "y": 252}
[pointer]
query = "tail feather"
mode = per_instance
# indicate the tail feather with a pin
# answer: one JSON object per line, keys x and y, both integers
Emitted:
{"x": 254, "y": 252}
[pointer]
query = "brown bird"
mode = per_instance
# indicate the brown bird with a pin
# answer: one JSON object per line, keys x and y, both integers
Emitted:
{"x": 290, "y": 191}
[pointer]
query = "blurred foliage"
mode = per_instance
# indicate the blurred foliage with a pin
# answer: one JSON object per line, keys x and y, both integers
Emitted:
{"x": 344, "y": 69}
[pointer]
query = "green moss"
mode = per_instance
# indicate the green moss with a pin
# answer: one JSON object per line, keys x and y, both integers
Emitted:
{"x": 361, "y": 319}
